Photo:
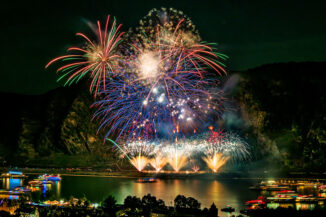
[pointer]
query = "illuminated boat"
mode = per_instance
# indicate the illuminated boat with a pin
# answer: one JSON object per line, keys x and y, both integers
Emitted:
{"x": 5, "y": 192}
{"x": 13, "y": 174}
{"x": 52, "y": 178}
{"x": 228, "y": 209}
{"x": 322, "y": 188}
{"x": 281, "y": 198}
{"x": 146, "y": 180}
{"x": 257, "y": 187}
{"x": 276, "y": 188}
{"x": 306, "y": 198}
{"x": 285, "y": 192}
{"x": 22, "y": 189}
{"x": 35, "y": 182}
{"x": 259, "y": 203}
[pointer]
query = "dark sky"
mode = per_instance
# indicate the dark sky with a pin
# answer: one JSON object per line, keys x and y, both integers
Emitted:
{"x": 251, "y": 33}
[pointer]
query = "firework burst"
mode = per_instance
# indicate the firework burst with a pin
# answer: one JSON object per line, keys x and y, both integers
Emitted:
{"x": 167, "y": 81}
{"x": 96, "y": 59}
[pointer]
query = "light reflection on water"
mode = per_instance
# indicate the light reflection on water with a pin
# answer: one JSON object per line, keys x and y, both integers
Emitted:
{"x": 221, "y": 192}
{"x": 11, "y": 183}
{"x": 233, "y": 192}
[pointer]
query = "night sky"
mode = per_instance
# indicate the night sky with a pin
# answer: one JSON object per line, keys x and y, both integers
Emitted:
{"x": 251, "y": 33}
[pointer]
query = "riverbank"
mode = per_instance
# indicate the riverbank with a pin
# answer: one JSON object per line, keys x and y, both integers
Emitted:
{"x": 225, "y": 174}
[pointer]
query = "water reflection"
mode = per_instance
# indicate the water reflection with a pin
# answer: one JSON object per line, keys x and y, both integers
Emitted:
{"x": 221, "y": 192}
{"x": 57, "y": 186}
{"x": 11, "y": 183}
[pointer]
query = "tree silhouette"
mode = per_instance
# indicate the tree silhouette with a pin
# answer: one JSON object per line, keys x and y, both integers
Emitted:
{"x": 192, "y": 203}
{"x": 109, "y": 203}
{"x": 132, "y": 202}
{"x": 213, "y": 211}
{"x": 180, "y": 202}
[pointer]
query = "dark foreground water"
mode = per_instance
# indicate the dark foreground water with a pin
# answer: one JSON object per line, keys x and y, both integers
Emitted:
{"x": 233, "y": 192}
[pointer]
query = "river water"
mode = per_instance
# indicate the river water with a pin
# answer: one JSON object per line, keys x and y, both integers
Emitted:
{"x": 222, "y": 192}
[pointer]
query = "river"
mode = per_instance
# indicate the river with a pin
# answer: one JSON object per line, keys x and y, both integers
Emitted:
{"x": 222, "y": 192}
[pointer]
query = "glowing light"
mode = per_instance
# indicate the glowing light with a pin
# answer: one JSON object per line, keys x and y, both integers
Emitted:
{"x": 139, "y": 162}
{"x": 168, "y": 77}
{"x": 215, "y": 161}
{"x": 158, "y": 162}
{"x": 149, "y": 65}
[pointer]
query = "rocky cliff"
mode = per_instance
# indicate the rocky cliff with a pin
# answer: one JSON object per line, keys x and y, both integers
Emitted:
{"x": 283, "y": 107}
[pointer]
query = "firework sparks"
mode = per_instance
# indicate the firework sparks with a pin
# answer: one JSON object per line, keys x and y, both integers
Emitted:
{"x": 158, "y": 162}
{"x": 139, "y": 162}
{"x": 97, "y": 59}
{"x": 167, "y": 80}
{"x": 215, "y": 161}
{"x": 158, "y": 87}
{"x": 195, "y": 168}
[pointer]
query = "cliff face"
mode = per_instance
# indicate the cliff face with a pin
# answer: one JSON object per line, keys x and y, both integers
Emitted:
{"x": 56, "y": 122}
{"x": 283, "y": 107}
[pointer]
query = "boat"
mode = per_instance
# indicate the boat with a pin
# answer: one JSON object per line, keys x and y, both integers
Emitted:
{"x": 259, "y": 203}
{"x": 22, "y": 189}
{"x": 284, "y": 192}
{"x": 322, "y": 188}
{"x": 228, "y": 209}
{"x": 283, "y": 198}
{"x": 52, "y": 178}
{"x": 257, "y": 187}
{"x": 255, "y": 204}
{"x": 35, "y": 182}
{"x": 146, "y": 180}
{"x": 276, "y": 188}
{"x": 5, "y": 192}
{"x": 13, "y": 174}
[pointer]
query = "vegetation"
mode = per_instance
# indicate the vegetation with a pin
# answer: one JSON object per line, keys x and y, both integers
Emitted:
{"x": 145, "y": 207}
{"x": 284, "y": 106}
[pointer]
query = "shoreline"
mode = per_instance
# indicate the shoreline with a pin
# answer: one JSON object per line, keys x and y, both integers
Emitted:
{"x": 132, "y": 174}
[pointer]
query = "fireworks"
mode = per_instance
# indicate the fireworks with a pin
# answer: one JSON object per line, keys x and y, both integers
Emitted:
{"x": 97, "y": 59}
{"x": 159, "y": 160}
{"x": 139, "y": 162}
{"x": 215, "y": 153}
{"x": 195, "y": 168}
{"x": 177, "y": 156}
{"x": 229, "y": 144}
{"x": 215, "y": 161}
{"x": 169, "y": 81}
{"x": 157, "y": 87}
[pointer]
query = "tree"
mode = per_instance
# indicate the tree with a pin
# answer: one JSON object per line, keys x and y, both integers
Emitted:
{"x": 160, "y": 204}
{"x": 149, "y": 200}
{"x": 192, "y": 203}
{"x": 109, "y": 203}
{"x": 132, "y": 202}
{"x": 180, "y": 201}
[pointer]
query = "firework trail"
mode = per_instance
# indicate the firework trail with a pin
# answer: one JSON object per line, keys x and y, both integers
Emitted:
{"x": 96, "y": 59}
